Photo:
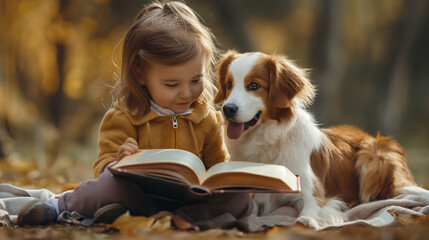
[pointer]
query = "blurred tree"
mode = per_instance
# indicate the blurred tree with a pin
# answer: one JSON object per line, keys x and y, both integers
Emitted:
{"x": 397, "y": 92}
{"x": 234, "y": 20}
{"x": 47, "y": 70}
{"x": 367, "y": 58}
{"x": 329, "y": 59}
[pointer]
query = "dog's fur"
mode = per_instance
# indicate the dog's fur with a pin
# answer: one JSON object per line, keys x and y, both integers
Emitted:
{"x": 338, "y": 167}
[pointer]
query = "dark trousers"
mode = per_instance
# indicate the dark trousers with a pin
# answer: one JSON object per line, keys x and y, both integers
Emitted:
{"x": 91, "y": 195}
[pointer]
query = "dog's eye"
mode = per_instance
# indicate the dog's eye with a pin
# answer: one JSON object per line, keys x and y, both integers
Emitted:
{"x": 229, "y": 85}
{"x": 253, "y": 86}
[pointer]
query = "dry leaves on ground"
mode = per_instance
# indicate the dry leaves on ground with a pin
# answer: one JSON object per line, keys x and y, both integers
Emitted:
{"x": 162, "y": 225}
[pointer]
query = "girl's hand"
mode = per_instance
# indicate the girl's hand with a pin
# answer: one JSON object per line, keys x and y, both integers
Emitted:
{"x": 129, "y": 147}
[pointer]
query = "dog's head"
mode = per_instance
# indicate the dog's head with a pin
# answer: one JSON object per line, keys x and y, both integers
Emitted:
{"x": 256, "y": 87}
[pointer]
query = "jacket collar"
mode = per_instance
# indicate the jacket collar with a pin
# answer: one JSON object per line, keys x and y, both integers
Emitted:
{"x": 199, "y": 112}
{"x": 165, "y": 111}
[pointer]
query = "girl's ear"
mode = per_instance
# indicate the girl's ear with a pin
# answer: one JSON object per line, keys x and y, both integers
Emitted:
{"x": 223, "y": 67}
{"x": 288, "y": 81}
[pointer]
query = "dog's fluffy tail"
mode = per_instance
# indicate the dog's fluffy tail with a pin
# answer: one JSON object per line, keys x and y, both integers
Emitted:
{"x": 382, "y": 168}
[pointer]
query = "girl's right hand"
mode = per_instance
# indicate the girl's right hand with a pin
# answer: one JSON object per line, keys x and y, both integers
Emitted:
{"x": 129, "y": 147}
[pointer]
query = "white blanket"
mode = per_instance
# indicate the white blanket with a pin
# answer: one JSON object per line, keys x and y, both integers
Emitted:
{"x": 13, "y": 198}
{"x": 413, "y": 202}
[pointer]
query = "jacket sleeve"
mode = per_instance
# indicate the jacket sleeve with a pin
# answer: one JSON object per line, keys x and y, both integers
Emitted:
{"x": 215, "y": 150}
{"x": 115, "y": 128}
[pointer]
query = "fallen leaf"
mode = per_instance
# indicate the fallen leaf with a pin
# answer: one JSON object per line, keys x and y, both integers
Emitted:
{"x": 273, "y": 231}
{"x": 403, "y": 218}
{"x": 179, "y": 223}
{"x": 161, "y": 224}
{"x": 70, "y": 186}
{"x": 423, "y": 219}
{"x": 132, "y": 225}
{"x": 24, "y": 181}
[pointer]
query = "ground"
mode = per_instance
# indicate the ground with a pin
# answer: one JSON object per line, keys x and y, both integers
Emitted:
{"x": 159, "y": 227}
{"x": 409, "y": 232}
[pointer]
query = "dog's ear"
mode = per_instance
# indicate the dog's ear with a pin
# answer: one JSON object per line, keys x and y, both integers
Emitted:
{"x": 222, "y": 71}
{"x": 288, "y": 81}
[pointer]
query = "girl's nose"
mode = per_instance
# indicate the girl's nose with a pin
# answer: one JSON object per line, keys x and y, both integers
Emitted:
{"x": 186, "y": 92}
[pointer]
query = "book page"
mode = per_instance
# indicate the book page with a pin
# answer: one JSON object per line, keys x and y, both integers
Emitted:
{"x": 165, "y": 156}
{"x": 184, "y": 175}
{"x": 241, "y": 181}
{"x": 247, "y": 169}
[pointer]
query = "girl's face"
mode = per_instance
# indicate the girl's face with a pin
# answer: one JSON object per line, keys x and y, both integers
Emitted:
{"x": 175, "y": 87}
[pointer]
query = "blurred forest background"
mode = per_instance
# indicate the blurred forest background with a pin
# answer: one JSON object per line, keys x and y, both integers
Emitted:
{"x": 57, "y": 60}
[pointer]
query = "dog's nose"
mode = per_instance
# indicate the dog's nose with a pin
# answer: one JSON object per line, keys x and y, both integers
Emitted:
{"x": 230, "y": 110}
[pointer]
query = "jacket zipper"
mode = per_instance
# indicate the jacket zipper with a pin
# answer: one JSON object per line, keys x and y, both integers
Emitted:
{"x": 175, "y": 126}
{"x": 174, "y": 119}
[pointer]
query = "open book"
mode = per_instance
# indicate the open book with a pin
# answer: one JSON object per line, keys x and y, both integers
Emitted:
{"x": 180, "y": 175}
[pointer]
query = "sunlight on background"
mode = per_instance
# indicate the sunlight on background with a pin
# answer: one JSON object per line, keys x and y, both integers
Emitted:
{"x": 57, "y": 61}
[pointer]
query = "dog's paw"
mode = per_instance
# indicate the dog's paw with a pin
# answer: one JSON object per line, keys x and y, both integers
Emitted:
{"x": 308, "y": 222}
{"x": 332, "y": 213}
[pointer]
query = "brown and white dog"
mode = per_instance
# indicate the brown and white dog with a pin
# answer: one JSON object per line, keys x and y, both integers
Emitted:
{"x": 264, "y": 99}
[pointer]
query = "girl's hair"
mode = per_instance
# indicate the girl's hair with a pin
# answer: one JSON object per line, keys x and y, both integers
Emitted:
{"x": 168, "y": 33}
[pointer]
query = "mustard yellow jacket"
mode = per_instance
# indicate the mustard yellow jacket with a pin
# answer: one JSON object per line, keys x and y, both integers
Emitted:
{"x": 199, "y": 132}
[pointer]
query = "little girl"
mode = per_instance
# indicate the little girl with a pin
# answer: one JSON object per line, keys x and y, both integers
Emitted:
{"x": 163, "y": 101}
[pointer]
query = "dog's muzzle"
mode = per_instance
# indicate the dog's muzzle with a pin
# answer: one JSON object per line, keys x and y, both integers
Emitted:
{"x": 235, "y": 129}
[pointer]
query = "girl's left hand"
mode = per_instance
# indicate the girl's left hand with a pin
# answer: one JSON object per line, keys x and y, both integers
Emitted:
{"x": 129, "y": 147}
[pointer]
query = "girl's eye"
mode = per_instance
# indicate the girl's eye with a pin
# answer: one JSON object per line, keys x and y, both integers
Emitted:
{"x": 171, "y": 85}
{"x": 253, "y": 86}
{"x": 229, "y": 85}
{"x": 196, "y": 80}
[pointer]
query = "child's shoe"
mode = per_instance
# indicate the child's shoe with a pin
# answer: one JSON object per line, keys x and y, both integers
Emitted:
{"x": 37, "y": 212}
{"x": 109, "y": 213}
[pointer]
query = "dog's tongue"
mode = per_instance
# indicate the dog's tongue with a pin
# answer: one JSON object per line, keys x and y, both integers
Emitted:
{"x": 235, "y": 130}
